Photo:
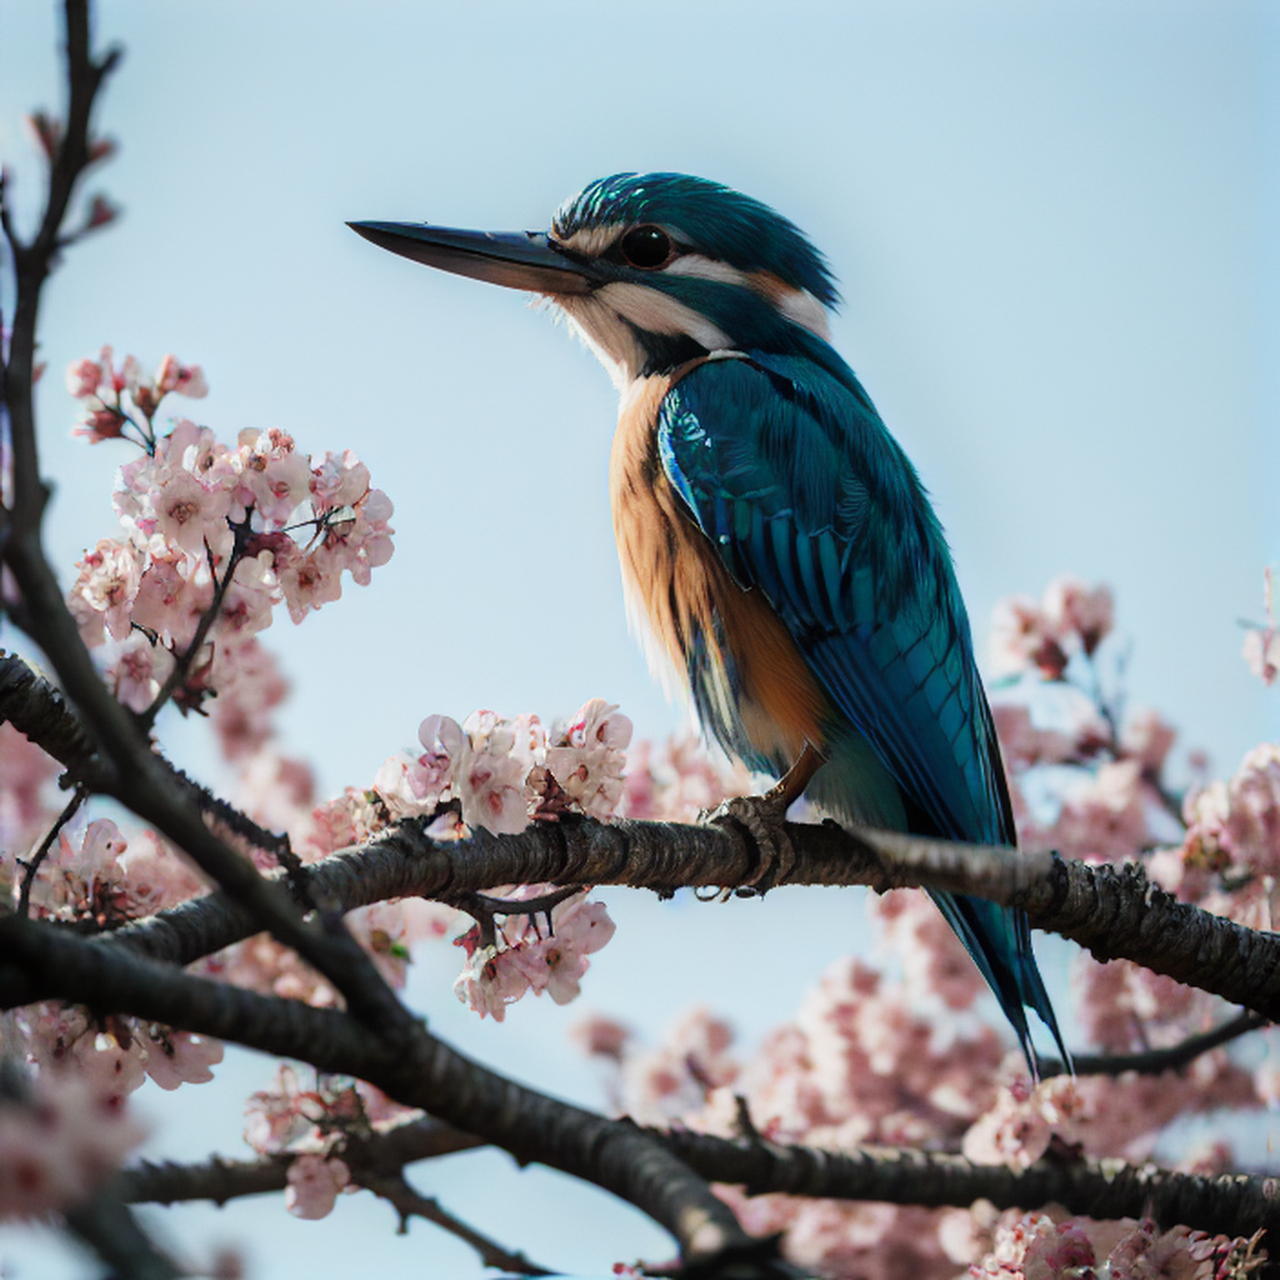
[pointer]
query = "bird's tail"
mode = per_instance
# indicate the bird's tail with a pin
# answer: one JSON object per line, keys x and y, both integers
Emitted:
{"x": 999, "y": 940}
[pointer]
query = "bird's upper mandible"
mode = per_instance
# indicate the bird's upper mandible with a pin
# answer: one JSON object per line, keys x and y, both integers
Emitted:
{"x": 652, "y": 269}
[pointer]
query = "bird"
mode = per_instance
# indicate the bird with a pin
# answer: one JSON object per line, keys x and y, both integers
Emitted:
{"x": 776, "y": 543}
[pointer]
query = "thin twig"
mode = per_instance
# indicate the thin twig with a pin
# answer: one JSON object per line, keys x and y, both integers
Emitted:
{"x": 33, "y": 261}
{"x": 1154, "y": 1062}
{"x": 32, "y": 868}
{"x": 182, "y": 662}
{"x": 409, "y": 1203}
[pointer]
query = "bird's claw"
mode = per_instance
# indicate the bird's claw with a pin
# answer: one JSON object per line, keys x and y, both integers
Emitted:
{"x": 763, "y": 819}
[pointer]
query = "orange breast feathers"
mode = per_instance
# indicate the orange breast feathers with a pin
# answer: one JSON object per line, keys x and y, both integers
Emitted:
{"x": 676, "y": 582}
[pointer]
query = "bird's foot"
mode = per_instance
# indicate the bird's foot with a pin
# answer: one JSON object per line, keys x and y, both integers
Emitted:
{"x": 763, "y": 817}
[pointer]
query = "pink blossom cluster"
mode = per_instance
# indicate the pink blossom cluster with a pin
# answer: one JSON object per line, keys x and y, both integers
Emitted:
{"x": 859, "y": 1064}
{"x": 1236, "y": 824}
{"x": 505, "y": 773}
{"x": 104, "y": 877}
{"x": 502, "y": 774}
{"x": 1081, "y": 783}
{"x": 1070, "y": 618}
{"x": 539, "y": 951}
{"x": 113, "y": 396}
{"x": 210, "y": 525}
{"x": 1104, "y": 1116}
{"x": 680, "y": 782}
{"x": 1040, "y": 1246}
{"x": 114, "y": 1056}
{"x": 313, "y": 1125}
{"x": 26, "y": 799}
{"x": 59, "y": 1140}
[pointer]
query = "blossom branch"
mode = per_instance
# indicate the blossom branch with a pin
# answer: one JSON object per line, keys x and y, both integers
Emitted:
{"x": 128, "y": 769}
{"x": 221, "y": 1180}
{"x": 418, "y": 1071}
{"x": 33, "y": 261}
{"x": 241, "y": 533}
{"x": 1113, "y": 911}
{"x": 37, "y": 709}
{"x": 1233, "y": 1204}
{"x": 376, "y": 1161}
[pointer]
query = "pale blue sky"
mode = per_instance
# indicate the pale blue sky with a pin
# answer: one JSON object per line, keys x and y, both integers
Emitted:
{"x": 1054, "y": 228}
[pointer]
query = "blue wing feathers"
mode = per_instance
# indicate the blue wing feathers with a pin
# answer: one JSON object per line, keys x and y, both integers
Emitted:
{"x": 785, "y": 465}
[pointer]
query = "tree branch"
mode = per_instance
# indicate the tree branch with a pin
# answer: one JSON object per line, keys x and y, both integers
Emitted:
{"x": 112, "y": 1232}
{"x": 418, "y": 1071}
{"x": 1112, "y": 911}
{"x": 33, "y": 261}
{"x": 409, "y": 1203}
{"x": 221, "y": 1180}
{"x": 37, "y": 709}
{"x": 127, "y": 767}
{"x": 31, "y": 869}
{"x": 1233, "y": 1204}
{"x": 1154, "y": 1062}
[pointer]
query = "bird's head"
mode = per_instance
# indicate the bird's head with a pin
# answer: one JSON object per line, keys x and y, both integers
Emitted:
{"x": 653, "y": 269}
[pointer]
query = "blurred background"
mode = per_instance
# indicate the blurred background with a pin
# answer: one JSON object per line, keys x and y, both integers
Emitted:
{"x": 1054, "y": 227}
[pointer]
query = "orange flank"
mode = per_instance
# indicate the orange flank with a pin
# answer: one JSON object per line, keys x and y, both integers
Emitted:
{"x": 671, "y": 569}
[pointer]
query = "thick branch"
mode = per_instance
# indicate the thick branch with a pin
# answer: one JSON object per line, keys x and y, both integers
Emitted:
{"x": 418, "y": 1071}
{"x": 112, "y": 1232}
{"x": 37, "y": 709}
{"x": 1233, "y": 1205}
{"x": 1112, "y": 911}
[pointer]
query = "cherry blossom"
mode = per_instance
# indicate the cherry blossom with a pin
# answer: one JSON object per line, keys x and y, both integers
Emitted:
{"x": 530, "y": 955}
{"x": 179, "y": 1057}
{"x": 589, "y": 763}
{"x": 314, "y": 1184}
{"x": 495, "y": 761}
{"x": 58, "y": 1143}
{"x": 1070, "y": 618}
{"x": 204, "y": 522}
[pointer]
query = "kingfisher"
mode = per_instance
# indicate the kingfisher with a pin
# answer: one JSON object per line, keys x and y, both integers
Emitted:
{"x": 776, "y": 543}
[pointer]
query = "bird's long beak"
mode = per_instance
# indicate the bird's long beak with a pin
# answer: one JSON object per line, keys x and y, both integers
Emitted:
{"x": 518, "y": 260}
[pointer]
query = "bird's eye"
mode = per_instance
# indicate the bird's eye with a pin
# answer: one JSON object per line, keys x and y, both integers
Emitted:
{"x": 647, "y": 247}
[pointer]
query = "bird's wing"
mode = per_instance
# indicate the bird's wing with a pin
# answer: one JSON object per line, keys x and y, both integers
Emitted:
{"x": 788, "y": 470}
{"x": 792, "y": 476}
